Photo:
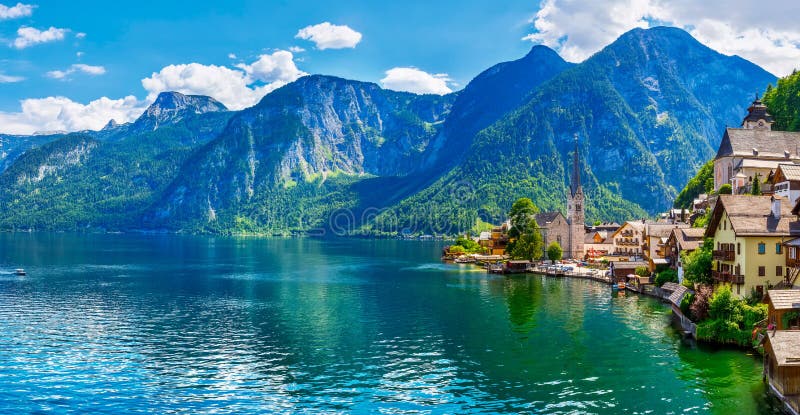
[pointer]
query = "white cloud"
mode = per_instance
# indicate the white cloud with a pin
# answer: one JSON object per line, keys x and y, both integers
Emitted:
{"x": 78, "y": 67}
{"x": 277, "y": 67}
{"x": 20, "y": 10}
{"x": 577, "y": 29}
{"x": 416, "y": 81}
{"x": 231, "y": 56}
{"x": 7, "y": 79}
{"x": 296, "y": 49}
{"x": 329, "y": 36}
{"x": 79, "y": 54}
{"x": 236, "y": 89}
{"x": 63, "y": 114}
{"x": 80, "y": 35}
{"x": 29, "y": 36}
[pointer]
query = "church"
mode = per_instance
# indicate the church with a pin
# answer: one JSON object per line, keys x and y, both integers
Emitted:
{"x": 568, "y": 231}
{"x": 753, "y": 150}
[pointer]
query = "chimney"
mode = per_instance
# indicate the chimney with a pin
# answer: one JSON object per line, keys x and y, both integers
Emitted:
{"x": 776, "y": 207}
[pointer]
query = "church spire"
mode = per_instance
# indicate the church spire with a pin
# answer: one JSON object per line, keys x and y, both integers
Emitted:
{"x": 575, "y": 183}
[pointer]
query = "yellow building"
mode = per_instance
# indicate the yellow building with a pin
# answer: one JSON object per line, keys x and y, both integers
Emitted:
{"x": 749, "y": 232}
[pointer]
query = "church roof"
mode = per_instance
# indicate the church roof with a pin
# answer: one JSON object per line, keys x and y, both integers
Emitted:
{"x": 757, "y": 111}
{"x": 543, "y": 219}
{"x": 741, "y": 142}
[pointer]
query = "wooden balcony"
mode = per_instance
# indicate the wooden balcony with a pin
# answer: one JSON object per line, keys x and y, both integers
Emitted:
{"x": 792, "y": 262}
{"x": 723, "y": 255}
{"x": 722, "y": 276}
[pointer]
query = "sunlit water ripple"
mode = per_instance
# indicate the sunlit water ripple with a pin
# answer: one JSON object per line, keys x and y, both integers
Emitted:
{"x": 160, "y": 324}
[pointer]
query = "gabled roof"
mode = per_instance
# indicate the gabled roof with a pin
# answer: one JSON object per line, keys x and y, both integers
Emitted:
{"x": 543, "y": 219}
{"x": 788, "y": 171}
{"x": 784, "y": 299}
{"x": 742, "y": 142}
{"x": 751, "y": 216}
{"x": 689, "y": 239}
{"x": 785, "y": 346}
{"x": 662, "y": 230}
{"x": 677, "y": 292}
{"x": 635, "y": 224}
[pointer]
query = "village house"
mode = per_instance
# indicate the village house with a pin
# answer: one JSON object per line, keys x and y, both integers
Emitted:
{"x": 682, "y": 241}
{"x": 786, "y": 182}
{"x": 753, "y": 151}
{"x": 496, "y": 241}
{"x": 627, "y": 240}
{"x": 749, "y": 233}
{"x": 782, "y": 365}
{"x": 655, "y": 238}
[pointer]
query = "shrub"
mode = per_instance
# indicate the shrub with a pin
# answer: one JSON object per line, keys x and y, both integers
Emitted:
{"x": 668, "y": 275}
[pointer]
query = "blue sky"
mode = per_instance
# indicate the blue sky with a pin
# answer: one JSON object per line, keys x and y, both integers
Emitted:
{"x": 70, "y": 65}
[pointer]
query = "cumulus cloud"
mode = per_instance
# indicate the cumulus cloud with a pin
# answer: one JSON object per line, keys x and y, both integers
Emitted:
{"x": 577, "y": 29}
{"x": 236, "y": 88}
{"x": 29, "y": 36}
{"x": 63, "y": 114}
{"x": 78, "y": 67}
{"x": 8, "y": 79}
{"x": 329, "y": 36}
{"x": 14, "y": 12}
{"x": 416, "y": 81}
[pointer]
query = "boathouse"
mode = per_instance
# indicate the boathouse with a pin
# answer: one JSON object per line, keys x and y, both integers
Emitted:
{"x": 784, "y": 309}
{"x": 782, "y": 365}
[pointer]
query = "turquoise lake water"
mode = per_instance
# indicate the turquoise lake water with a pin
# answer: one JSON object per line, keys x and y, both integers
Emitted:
{"x": 165, "y": 324}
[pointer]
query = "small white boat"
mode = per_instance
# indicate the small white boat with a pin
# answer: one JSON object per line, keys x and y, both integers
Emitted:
{"x": 20, "y": 272}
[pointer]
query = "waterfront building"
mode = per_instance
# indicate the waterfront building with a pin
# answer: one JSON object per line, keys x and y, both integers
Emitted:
{"x": 627, "y": 240}
{"x": 782, "y": 365}
{"x": 786, "y": 182}
{"x": 654, "y": 247}
{"x": 682, "y": 241}
{"x": 783, "y": 309}
{"x": 495, "y": 242}
{"x": 753, "y": 150}
{"x": 749, "y": 233}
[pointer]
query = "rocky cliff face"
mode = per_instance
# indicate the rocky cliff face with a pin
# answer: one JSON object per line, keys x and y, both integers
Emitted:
{"x": 648, "y": 109}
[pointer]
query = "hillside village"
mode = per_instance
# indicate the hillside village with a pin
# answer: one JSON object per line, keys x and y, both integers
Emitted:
{"x": 749, "y": 228}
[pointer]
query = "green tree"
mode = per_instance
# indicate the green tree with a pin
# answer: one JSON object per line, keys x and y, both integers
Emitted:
{"x": 642, "y": 271}
{"x": 527, "y": 243}
{"x": 725, "y": 189}
{"x": 702, "y": 182}
{"x": 554, "y": 251}
{"x": 468, "y": 244}
{"x": 667, "y": 275}
{"x": 697, "y": 265}
{"x": 783, "y": 102}
{"x": 756, "y": 189}
{"x": 457, "y": 249}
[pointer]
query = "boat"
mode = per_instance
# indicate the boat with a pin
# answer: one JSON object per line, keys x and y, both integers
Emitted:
{"x": 20, "y": 272}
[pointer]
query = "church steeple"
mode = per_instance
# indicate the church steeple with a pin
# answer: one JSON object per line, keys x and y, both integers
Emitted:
{"x": 575, "y": 182}
{"x": 757, "y": 117}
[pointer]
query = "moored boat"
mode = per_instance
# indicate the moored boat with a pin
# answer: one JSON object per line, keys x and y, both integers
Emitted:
{"x": 20, "y": 272}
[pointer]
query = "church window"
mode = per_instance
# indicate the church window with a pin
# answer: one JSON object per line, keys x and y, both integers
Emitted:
{"x": 578, "y": 207}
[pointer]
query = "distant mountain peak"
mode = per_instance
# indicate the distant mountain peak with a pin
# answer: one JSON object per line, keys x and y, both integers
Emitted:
{"x": 112, "y": 123}
{"x": 173, "y": 106}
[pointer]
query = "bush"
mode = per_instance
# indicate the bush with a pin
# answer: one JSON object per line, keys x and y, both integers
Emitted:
{"x": 668, "y": 275}
{"x": 730, "y": 320}
{"x": 642, "y": 271}
{"x": 725, "y": 189}
{"x": 468, "y": 244}
{"x": 457, "y": 250}
{"x": 686, "y": 302}
{"x": 699, "y": 307}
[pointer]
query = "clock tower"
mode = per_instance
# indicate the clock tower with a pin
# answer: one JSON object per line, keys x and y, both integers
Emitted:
{"x": 757, "y": 117}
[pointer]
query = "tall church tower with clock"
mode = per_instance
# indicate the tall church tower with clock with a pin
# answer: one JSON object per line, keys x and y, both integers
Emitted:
{"x": 575, "y": 210}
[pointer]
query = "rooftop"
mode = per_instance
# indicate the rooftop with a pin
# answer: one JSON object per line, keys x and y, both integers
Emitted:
{"x": 762, "y": 144}
{"x": 785, "y": 346}
{"x": 752, "y": 216}
{"x": 784, "y": 299}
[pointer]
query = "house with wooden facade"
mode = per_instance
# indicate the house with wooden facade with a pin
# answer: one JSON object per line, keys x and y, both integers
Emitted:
{"x": 783, "y": 309}
{"x": 786, "y": 182}
{"x": 748, "y": 234}
{"x": 782, "y": 366}
{"x": 655, "y": 243}
{"x": 682, "y": 241}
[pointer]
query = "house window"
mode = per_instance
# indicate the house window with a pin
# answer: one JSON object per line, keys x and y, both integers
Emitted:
{"x": 762, "y": 248}
{"x": 778, "y": 248}
{"x": 762, "y": 271}
{"x": 779, "y": 271}
{"x": 725, "y": 225}
{"x": 792, "y": 252}
{"x": 738, "y": 248}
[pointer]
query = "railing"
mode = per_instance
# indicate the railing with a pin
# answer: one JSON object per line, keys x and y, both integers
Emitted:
{"x": 723, "y": 255}
{"x": 792, "y": 262}
{"x": 722, "y": 276}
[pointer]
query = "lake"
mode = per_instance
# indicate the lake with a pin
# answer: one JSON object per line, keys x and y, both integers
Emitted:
{"x": 166, "y": 323}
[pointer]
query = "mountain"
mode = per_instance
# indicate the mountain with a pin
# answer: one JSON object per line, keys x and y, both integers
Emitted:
{"x": 325, "y": 154}
{"x": 106, "y": 179}
{"x": 649, "y": 111}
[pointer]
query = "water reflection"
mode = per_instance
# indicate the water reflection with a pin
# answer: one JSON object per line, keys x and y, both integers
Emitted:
{"x": 112, "y": 324}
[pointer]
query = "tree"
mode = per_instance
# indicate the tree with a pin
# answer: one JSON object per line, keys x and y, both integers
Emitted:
{"x": 457, "y": 250}
{"x": 756, "y": 189}
{"x": 527, "y": 243}
{"x": 642, "y": 271}
{"x": 725, "y": 189}
{"x": 697, "y": 265}
{"x": 554, "y": 251}
{"x": 667, "y": 275}
{"x": 702, "y": 182}
{"x": 468, "y": 244}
